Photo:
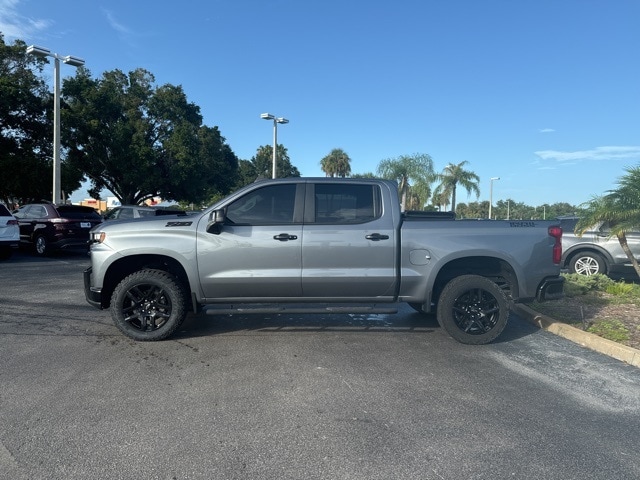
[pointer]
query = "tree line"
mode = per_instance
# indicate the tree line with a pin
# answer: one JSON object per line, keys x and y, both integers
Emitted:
{"x": 123, "y": 133}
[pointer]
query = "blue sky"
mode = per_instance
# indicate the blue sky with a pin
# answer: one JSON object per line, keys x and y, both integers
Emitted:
{"x": 544, "y": 94}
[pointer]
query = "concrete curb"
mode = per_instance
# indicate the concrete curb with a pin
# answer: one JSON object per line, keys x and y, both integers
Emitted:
{"x": 589, "y": 340}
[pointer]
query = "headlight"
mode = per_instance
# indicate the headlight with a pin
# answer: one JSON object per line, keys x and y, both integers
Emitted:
{"x": 97, "y": 236}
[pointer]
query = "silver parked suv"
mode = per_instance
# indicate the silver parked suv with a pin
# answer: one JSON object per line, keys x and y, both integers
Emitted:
{"x": 596, "y": 251}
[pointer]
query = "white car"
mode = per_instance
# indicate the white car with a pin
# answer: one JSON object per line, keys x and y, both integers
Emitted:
{"x": 9, "y": 233}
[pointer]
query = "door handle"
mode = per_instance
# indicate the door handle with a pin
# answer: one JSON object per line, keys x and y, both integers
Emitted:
{"x": 377, "y": 236}
{"x": 283, "y": 237}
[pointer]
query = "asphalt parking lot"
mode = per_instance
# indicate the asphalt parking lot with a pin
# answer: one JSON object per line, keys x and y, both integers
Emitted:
{"x": 291, "y": 396}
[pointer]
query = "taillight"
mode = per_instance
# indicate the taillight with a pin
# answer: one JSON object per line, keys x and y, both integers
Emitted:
{"x": 556, "y": 232}
{"x": 12, "y": 222}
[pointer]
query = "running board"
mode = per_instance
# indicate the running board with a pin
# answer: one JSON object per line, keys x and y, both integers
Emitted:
{"x": 296, "y": 308}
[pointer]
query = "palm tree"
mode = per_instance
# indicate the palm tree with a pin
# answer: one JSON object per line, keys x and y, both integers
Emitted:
{"x": 441, "y": 199}
{"x": 620, "y": 208}
{"x": 336, "y": 164}
{"x": 451, "y": 176}
{"x": 417, "y": 168}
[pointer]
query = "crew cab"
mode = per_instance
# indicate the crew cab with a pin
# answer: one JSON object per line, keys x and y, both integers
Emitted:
{"x": 320, "y": 245}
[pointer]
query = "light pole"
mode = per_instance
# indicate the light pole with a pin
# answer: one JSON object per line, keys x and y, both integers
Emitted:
{"x": 491, "y": 194}
{"x": 74, "y": 62}
{"x": 276, "y": 121}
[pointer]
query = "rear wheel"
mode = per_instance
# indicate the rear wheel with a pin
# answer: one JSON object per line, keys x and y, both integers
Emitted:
{"x": 587, "y": 263}
{"x": 148, "y": 305}
{"x": 5, "y": 253}
{"x": 473, "y": 309}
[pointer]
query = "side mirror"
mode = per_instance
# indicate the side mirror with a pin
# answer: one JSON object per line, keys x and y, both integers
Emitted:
{"x": 219, "y": 216}
{"x": 216, "y": 220}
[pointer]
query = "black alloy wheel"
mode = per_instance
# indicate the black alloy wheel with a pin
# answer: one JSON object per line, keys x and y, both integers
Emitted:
{"x": 473, "y": 309}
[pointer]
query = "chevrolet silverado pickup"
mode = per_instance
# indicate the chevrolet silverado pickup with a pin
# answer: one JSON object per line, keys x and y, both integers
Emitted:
{"x": 320, "y": 245}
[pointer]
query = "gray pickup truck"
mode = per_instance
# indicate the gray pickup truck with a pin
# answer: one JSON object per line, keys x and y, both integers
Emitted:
{"x": 320, "y": 245}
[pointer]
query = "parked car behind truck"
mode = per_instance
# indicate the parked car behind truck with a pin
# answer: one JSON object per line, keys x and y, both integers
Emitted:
{"x": 320, "y": 245}
{"x": 596, "y": 251}
{"x": 126, "y": 212}
{"x": 45, "y": 226}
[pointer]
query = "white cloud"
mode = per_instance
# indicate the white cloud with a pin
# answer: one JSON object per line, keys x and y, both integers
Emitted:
{"x": 546, "y": 130}
{"x": 16, "y": 26}
{"x": 115, "y": 24}
{"x": 598, "y": 153}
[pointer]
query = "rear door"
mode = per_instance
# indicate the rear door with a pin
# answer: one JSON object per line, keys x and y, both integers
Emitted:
{"x": 602, "y": 236}
{"x": 257, "y": 254}
{"x": 349, "y": 245}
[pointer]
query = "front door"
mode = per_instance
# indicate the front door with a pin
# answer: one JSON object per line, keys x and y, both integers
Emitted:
{"x": 257, "y": 252}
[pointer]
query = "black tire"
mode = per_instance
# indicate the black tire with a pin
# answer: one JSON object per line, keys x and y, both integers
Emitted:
{"x": 41, "y": 246}
{"x": 148, "y": 305}
{"x": 473, "y": 309}
{"x": 587, "y": 264}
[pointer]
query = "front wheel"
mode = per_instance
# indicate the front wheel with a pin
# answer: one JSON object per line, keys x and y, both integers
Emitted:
{"x": 473, "y": 309}
{"x": 148, "y": 305}
{"x": 41, "y": 245}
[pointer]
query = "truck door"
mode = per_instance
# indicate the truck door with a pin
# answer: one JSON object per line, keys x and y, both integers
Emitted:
{"x": 349, "y": 243}
{"x": 257, "y": 252}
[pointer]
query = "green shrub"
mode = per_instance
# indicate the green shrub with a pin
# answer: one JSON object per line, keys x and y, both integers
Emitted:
{"x": 576, "y": 285}
{"x": 620, "y": 289}
{"x": 591, "y": 283}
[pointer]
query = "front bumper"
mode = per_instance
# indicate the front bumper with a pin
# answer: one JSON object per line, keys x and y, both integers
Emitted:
{"x": 551, "y": 288}
{"x": 93, "y": 295}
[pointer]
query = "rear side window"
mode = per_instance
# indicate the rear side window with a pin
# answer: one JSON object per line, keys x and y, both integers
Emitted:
{"x": 36, "y": 211}
{"x": 4, "y": 212}
{"x": 78, "y": 213}
{"x": 344, "y": 203}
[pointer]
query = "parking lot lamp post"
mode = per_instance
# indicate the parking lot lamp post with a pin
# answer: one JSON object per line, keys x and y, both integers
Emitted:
{"x": 74, "y": 62}
{"x": 276, "y": 121}
{"x": 491, "y": 194}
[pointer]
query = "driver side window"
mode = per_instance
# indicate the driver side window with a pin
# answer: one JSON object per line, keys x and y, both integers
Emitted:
{"x": 272, "y": 205}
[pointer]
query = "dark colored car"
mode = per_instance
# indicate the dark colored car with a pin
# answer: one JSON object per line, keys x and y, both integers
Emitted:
{"x": 126, "y": 212}
{"x": 46, "y": 227}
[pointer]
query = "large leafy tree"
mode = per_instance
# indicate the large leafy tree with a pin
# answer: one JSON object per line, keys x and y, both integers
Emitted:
{"x": 336, "y": 164}
{"x": 26, "y": 129}
{"x": 408, "y": 170}
{"x": 140, "y": 141}
{"x": 620, "y": 208}
{"x": 261, "y": 165}
{"x": 451, "y": 177}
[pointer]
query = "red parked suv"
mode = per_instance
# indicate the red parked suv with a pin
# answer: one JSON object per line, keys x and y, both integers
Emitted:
{"x": 48, "y": 227}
